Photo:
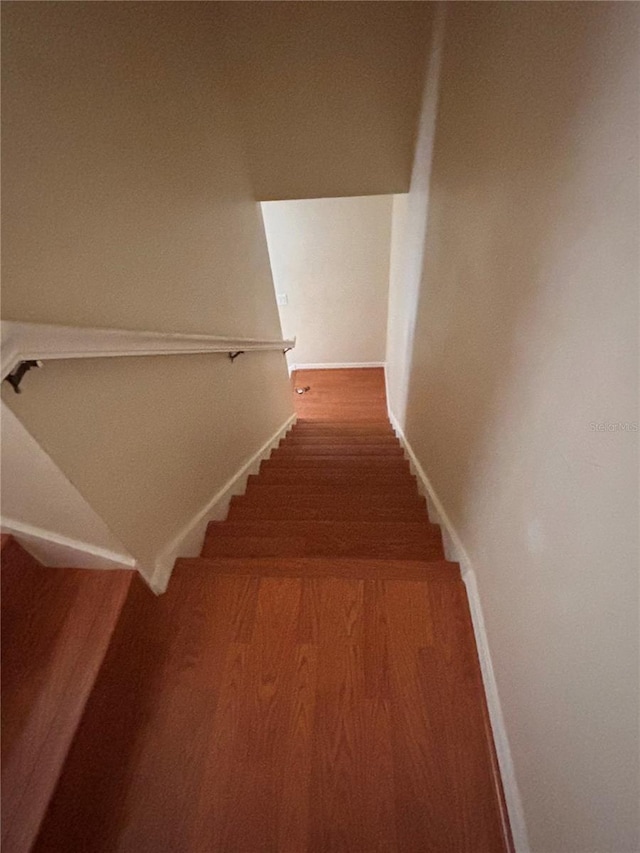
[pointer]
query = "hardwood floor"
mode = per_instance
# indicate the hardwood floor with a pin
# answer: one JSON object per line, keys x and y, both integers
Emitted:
{"x": 247, "y": 713}
{"x": 309, "y": 685}
{"x": 341, "y": 396}
{"x": 56, "y": 626}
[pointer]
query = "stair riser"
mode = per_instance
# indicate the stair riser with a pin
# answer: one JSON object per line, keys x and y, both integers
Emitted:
{"x": 371, "y": 568}
{"x": 340, "y": 450}
{"x": 57, "y": 624}
{"x": 335, "y": 512}
{"x": 393, "y": 464}
{"x": 338, "y": 484}
{"x": 306, "y": 432}
{"x": 367, "y": 531}
{"x": 359, "y": 500}
{"x": 297, "y": 440}
{"x": 352, "y": 418}
{"x": 337, "y": 423}
{"x": 14, "y": 555}
{"x": 228, "y": 546}
{"x": 330, "y": 475}
{"x": 282, "y": 491}
{"x": 305, "y": 423}
{"x": 329, "y": 467}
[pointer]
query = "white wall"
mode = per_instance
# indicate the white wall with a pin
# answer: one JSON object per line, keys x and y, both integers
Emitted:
{"x": 524, "y": 334}
{"x": 127, "y": 204}
{"x": 330, "y": 257}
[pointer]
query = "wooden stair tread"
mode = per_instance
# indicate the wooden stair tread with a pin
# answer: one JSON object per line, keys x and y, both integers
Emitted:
{"x": 15, "y": 557}
{"x": 325, "y": 513}
{"x": 340, "y": 489}
{"x": 362, "y": 500}
{"x": 319, "y": 613}
{"x": 346, "y": 431}
{"x": 342, "y": 567}
{"x": 298, "y": 440}
{"x": 328, "y": 511}
{"x": 408, "y": 530}
{"x": 329, "y": 506}
{"x": 306, "y": 423}
{"x": 301, "y": 546}
{"x": 333, "y": 474}
{"x": 56, "y": 626}
{"x": 343, "y": 449}
{"x": 338, "y": 422}
{"x": 366, "y": 463}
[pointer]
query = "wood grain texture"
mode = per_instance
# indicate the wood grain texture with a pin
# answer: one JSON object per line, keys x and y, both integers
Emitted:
{"x": 56, "y": 626}
{"x": 312, "y": 508}
{"x": 400, "y": 540}
{"x": 312, "y": 567}
{"x": 283, "y": 714}
{"x": 338, "y": 487}
{"x": 334, "y": 476}
{"x": 358, "y": 427}
{"x": 312, "y": 448}
{"x": 308, "y": 685}
{"x": 341, "y": 395}
{"x": 410, "y": 531}
{"x": 296, "y": 439}
{"x": 302, "y": 460}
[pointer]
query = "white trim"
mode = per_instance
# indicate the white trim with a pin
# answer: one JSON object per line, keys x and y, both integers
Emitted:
{"x": 453, "y": 547}
{"x": 41, "y": 342}
{"x": 386, "y": 392}
{"x": 456, "y": 552}
{"x": 52, "y": 549}
{"x": 503, "y": 750}
{"x": 337, "y": 365}
{"x": 188, "y": 542}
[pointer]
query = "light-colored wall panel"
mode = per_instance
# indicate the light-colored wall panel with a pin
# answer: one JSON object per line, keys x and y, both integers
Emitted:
{"x": 38, "y": 499}
{"x": 151, "y": 439}
{"x": 330, "y": 256}
{"x": 524, "y": 339}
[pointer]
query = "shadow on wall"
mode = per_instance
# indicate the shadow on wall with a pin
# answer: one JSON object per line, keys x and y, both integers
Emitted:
{"x": 504, "y": 208}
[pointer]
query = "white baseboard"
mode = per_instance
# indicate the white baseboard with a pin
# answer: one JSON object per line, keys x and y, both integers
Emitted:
{"x": 188, "y": 542}
{"x": 503, "y": 750}
{"x": 456, "y": 552}
{"x": 51, "y": 549}
{"x": 337, "y": 365}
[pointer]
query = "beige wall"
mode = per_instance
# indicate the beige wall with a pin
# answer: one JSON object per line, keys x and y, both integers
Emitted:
{"x": 127, "y": 200}
{"x": 150, "y": 440}
{"x": 52, "y": 505}
{"x": 524, "y": 335}
{"x": 126, "y": 203}
{"x": 330, "y": 256}
{"x": 329, "y": 93}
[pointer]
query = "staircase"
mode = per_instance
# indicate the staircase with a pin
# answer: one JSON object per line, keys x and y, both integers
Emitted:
{"x": 309, "y": 683}
{"x": 335, "y": 499}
